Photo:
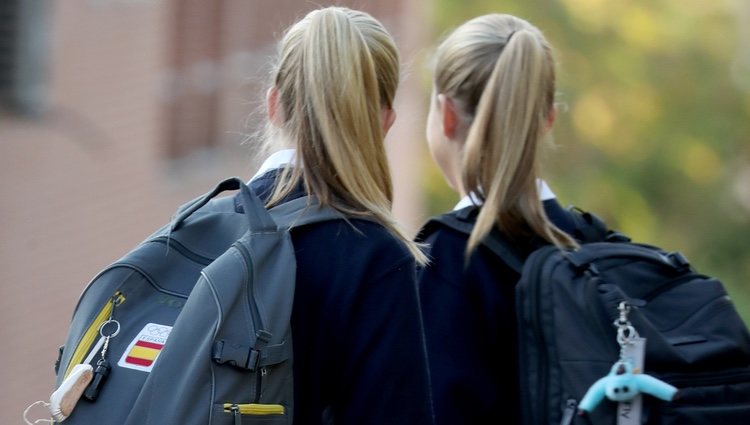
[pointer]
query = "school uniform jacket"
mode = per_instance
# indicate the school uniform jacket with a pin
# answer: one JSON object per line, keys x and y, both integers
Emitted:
{"x": 470, "y": 325}
{"x": 358, "y": 343}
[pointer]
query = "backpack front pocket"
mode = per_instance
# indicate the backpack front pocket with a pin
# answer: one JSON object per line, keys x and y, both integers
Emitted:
{"x": 90, "y": 336}
{"x": 718, "y": 398}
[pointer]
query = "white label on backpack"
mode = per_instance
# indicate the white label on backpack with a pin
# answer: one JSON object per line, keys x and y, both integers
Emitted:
{"x": 143, "y": 351}
{"x": 629, "y": 413}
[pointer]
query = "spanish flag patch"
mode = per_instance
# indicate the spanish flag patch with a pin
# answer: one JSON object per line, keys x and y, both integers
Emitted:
{"x": 143, "y": 351}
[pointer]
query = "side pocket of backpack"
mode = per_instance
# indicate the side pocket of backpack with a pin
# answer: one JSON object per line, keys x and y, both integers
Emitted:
{"x": 712, "y": 398}
{"x": 250, "y": 366}
{"x": 89, "y": 337}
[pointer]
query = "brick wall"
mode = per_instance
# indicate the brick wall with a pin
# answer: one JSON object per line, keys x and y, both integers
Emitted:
{"x": 94, "y": 175}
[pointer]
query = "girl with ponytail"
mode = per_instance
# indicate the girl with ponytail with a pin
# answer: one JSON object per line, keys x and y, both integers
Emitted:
{"x": 358, "y": 342}
{"x": 491, "y": 109}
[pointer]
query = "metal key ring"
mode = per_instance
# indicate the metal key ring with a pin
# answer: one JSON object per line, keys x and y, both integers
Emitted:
{"x": 113, "y": 334}
{"x": 625, "y": 334}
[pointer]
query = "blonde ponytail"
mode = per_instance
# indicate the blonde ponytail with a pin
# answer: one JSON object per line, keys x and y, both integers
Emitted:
{"x": 338, "y": 68}
{"x": 500, "y": 68}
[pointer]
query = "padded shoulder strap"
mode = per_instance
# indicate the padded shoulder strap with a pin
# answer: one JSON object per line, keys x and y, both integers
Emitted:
{"x": 590, "y": 229}
{"x": 463, "y": 221}
{"x": 303, "y": 211}
{"x": 295, "y": 213}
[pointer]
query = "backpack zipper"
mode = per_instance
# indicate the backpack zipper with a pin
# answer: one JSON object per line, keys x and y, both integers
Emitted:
{"x": 254, "y": 409}
{"x": 673, "y": 283}
{"x": 260, "y": 374}
{"x": 541, "y": 384}
{"x": 88, "y": 338}
{"x": 706, "y": 379}
{"x": 182, "y": 249}
{"x": 569, "y": 413}
{"x": 258, "y": 322}
{"x": 162, "y": 240}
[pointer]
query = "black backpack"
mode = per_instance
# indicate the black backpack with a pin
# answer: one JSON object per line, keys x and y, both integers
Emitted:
{"x": 199, "y": 318}
{"x": 573, "y": 305}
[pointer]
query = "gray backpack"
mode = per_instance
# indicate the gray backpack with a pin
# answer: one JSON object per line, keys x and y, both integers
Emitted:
{"x": 193, "y": 325}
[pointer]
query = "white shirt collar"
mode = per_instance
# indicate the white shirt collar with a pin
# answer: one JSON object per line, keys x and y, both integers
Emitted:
{"x": 545, "y": 193}
{"x": 277, "y": 160}
{"x": 468, "y": 200}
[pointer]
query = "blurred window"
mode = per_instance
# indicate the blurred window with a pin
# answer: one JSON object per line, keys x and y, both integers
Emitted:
{"x": 193, "y": 98}
{"x": 24, "y": 55}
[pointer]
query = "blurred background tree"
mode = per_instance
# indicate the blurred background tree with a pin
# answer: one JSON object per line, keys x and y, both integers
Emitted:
{"x": 654, "y": 130}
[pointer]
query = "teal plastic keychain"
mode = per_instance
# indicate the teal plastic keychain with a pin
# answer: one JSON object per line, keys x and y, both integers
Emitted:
{"x": 626, "y": 380}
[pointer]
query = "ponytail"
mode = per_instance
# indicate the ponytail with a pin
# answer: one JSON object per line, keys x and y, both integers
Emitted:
{"x": 507, "y": 85}
{"x": 338, "y": 69}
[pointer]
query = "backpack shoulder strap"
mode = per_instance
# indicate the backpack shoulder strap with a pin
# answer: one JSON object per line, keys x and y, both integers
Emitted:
{"x": 463, "y": 221}
{"x": 303, "y": 211}
{"x": 589, "y": 228}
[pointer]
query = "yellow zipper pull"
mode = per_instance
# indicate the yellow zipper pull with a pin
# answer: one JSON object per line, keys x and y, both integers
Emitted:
{"x": 255, "y": 408}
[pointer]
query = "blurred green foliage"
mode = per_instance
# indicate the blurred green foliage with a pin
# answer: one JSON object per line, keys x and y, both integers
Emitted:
{"x": 655, "y": 131}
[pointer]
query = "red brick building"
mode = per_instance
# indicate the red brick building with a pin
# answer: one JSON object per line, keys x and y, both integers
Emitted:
{"x": 112, "y": 113}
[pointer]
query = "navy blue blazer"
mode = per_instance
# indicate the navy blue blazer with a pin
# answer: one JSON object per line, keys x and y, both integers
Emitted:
{"x": 470, "y": 324}
{"x": 358, "y": 342}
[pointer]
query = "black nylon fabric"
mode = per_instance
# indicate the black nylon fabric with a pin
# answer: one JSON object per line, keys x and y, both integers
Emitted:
{"x": 695, "y": 339}
{"x": 566, "y": 303}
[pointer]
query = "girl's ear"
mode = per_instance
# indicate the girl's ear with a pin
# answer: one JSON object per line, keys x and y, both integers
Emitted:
{"x": 551, "y": 116}
{"x": 275, "y": 115}
{"x": 389, "y": 117}
{"x": 448, "y": 115}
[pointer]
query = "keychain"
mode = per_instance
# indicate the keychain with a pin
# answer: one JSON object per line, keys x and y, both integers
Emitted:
{"x": 101, "y": 372}
{"x": 65, "y": 398}
{"x": 625, "y": 380}
{"x": 83, "y": 380}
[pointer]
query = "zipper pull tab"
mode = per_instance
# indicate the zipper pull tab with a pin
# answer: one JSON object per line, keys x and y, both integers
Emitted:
{"x": 570, "y": 412}
{"x": 59, "y": 358}
{"x": 100, "y": 377}
{"x": 236, "y": 414}
{"x": 260, "y": 374}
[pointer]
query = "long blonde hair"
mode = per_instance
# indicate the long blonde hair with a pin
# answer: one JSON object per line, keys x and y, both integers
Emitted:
{"x": 337, "y": 69}
{"x": 500, "y": 71}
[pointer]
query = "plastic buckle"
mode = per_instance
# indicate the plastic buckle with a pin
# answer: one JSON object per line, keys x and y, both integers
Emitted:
{"x": 253, "y": 360}
{"x": 679, "y": 261}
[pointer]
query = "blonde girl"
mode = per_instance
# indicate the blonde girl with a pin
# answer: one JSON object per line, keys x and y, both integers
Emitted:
{"x": 491, "y": 109}
{"x": 358, "y": 344}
